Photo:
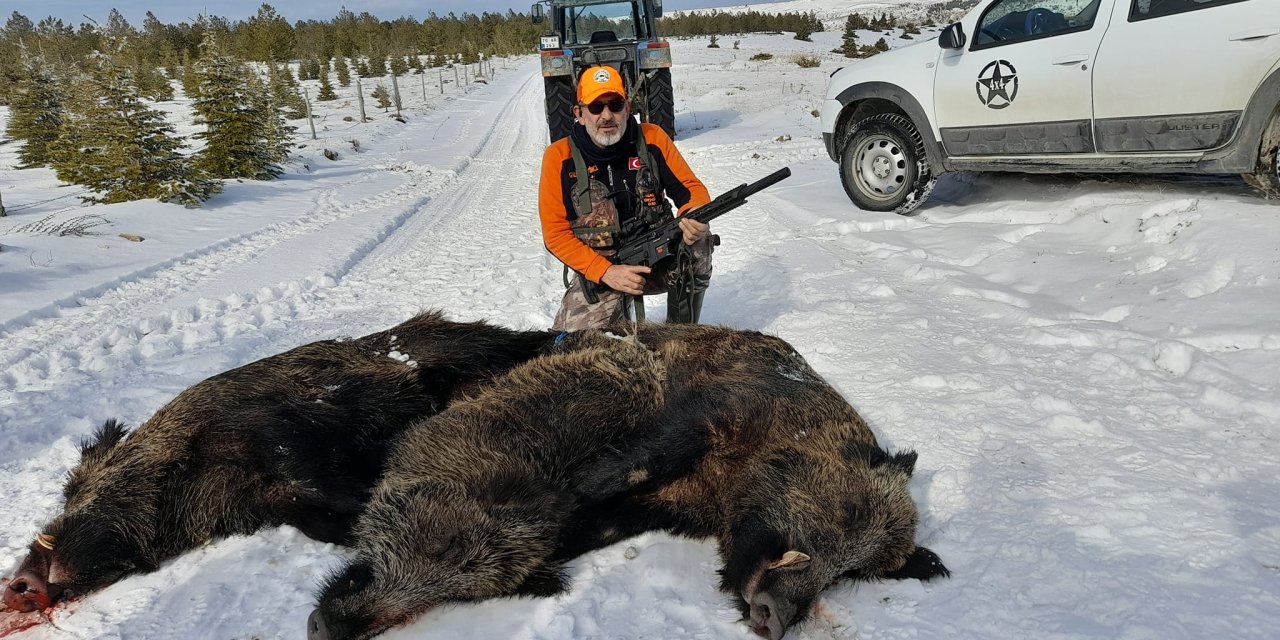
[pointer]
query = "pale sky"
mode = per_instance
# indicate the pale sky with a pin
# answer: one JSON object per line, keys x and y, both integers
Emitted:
{"x": 174, "y": 11}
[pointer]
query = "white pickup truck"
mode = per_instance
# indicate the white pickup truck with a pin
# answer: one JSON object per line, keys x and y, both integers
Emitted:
{"x": 1064, "y": 85}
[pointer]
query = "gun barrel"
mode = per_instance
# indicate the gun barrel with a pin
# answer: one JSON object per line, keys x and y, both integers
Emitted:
{"x": 737, "y": 196}
{"x": 770, "y": 180}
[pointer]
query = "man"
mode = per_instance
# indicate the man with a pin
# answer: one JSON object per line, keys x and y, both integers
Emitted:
{"x": 609, "y": 181}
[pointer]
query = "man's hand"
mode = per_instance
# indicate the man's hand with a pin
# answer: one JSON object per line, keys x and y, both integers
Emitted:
{"x": 693, "y": 230}
{"x": 628, "y": 278}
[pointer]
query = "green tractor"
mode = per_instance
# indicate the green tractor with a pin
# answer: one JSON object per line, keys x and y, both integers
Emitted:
{"x": 618, "y": 33}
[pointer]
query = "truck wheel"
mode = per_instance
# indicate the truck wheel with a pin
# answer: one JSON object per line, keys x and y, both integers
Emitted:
{"x": 661, "y": 101}
{"x": 559, "y": 102}
{"x": 1266, "y": 176}
{"x": 883, "y": 165}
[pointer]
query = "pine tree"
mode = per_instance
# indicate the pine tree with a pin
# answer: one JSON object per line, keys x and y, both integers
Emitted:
{"x": 276, "y": 134}
{"x": 849, "y": 39}
{"x": 344, "y": 71}
{"x": 235, "y": 108}
{"x": 18, "y": 28}
{"x": 151, "y": 82}
{"x": 398, "y": 66}
{"x": 190, "y": 83}
{"x": 804, "y": 30}
{"x": 326, "y": 90}
{"x": 120, "y": 148}
{"x": 284, "y": 90}
{"x": 36, "y": 112}
{"x": 270, "y": 38}
{"x": 469, "y": 53}
{"x": 383, "y": 97}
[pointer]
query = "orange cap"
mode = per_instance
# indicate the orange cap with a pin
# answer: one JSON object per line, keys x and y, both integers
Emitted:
{"x": 598, "y": 81}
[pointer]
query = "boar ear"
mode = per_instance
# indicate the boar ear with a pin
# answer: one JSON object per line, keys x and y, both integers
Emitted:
{"x": 791, "y": 560}
{"x": 107, "y": 436}
{"x": 904, "y": 461}
{"x": 348, "y": 580}
{"x": 923, "y": 564}
{"x": 872, "y": 455}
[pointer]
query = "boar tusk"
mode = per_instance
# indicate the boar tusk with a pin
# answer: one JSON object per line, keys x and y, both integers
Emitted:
{"x": 45, "y": 540}
{"x": 788, "y": 559}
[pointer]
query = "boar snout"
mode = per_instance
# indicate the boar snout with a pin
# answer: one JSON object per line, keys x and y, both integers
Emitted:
{"x": 317, "y": 628}
{"x": 28, "y": 592}
{"x": 770, "y": 616}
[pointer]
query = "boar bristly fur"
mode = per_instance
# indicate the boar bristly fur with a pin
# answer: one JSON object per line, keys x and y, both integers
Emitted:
{"x": 297, "y": 438}
{"x": 475, "y": 498}
{"x": 757, "y": 449}
{"x": 701, "y": 431}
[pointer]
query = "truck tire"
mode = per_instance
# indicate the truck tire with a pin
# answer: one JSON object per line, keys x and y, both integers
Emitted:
{"x": 559, "y": 102}
{"x": 661, "y": 101}
{"x": 883, "y": 165}
{"x": 1266, "y": 176}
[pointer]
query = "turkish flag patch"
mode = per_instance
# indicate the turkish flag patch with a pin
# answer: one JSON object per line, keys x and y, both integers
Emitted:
{"x": 633, "y": 164}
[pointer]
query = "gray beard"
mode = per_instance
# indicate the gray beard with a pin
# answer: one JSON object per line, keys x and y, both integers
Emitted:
{"x": 608, "y": 140}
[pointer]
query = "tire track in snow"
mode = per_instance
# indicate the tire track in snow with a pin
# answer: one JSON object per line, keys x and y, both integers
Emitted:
{"x": 115, "y": 303}
{"x": 116, "y": 323}
{"x": 480, "y": 241}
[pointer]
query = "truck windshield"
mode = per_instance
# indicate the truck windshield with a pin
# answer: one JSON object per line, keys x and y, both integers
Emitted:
{"x": 605, "y": 22}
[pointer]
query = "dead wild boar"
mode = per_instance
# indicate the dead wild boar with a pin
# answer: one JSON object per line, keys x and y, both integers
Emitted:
{"x": 475, "y": 499}
{"x": 757, "y": 449}
{"x": 297, "y": 438}
{"x": 747, "y": 444}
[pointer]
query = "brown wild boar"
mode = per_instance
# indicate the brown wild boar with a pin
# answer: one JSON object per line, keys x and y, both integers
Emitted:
{"x": 474, "y": 499}
{"x": 748, "y": 444}
{"x": 297, "y": 438}
{"x": 757, "y": 449}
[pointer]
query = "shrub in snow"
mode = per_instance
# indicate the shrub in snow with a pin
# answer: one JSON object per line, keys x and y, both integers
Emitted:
{"x": 807, "y": 61}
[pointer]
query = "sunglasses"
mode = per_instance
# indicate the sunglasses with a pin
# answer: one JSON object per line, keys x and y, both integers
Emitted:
{"x": 597, "y": 108}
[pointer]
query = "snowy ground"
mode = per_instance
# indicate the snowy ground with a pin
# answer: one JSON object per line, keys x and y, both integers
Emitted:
{"x": 1087, "y": 366}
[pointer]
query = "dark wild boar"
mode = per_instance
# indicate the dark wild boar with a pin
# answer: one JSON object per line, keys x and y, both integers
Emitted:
{"x": 297, "y": 438}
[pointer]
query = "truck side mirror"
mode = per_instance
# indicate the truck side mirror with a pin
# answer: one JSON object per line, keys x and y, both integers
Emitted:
{"x": 536, "y": 14}
{"x": 952, "y": 37}
{"x": 657, "y": 8}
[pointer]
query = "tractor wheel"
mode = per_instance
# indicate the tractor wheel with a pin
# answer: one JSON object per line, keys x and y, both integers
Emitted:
{"x": 661, "y": 101}
{"x": 559, "y": 102}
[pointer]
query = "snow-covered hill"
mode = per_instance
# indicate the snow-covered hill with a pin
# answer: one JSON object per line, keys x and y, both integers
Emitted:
{"x": 1087, "y": 366}
{"x": 832, "y": 13}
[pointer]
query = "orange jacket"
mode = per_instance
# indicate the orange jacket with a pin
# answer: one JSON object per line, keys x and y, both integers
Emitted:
{"x": 555, "y": 204}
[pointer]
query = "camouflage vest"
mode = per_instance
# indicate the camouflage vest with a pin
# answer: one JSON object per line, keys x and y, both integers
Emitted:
{"x": 596, "y": 223}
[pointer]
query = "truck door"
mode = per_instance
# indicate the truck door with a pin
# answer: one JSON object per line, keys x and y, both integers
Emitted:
{"x": 1175, "y": 75}
{"x": 1023, "y": 84}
